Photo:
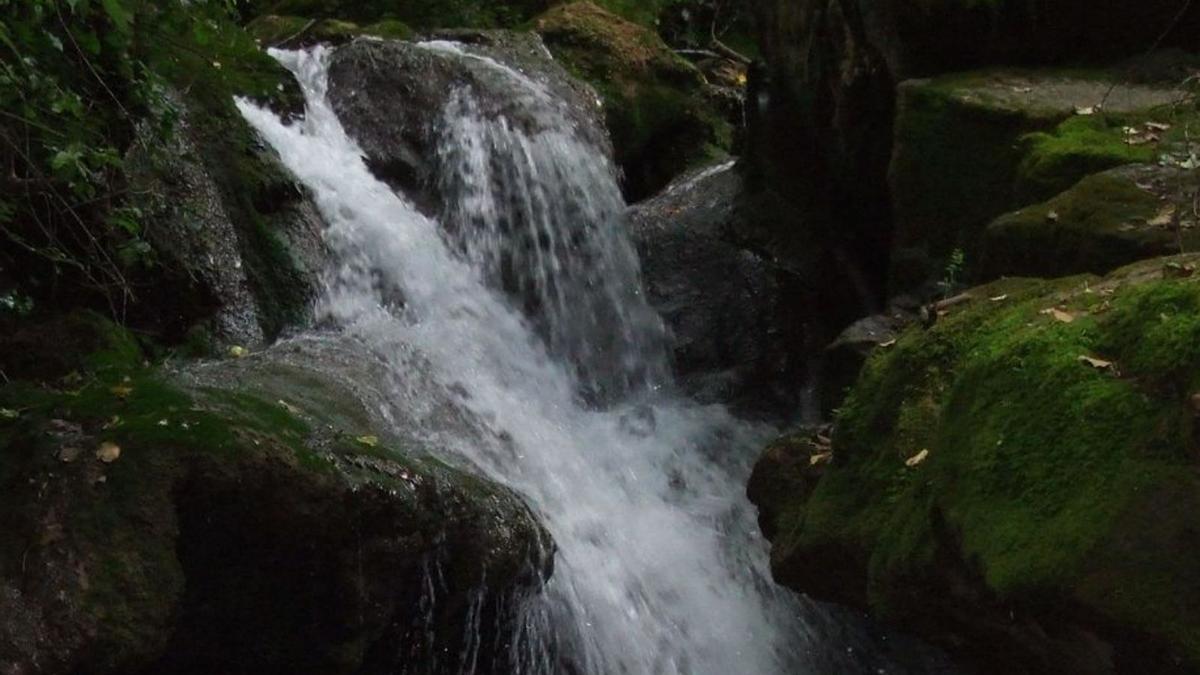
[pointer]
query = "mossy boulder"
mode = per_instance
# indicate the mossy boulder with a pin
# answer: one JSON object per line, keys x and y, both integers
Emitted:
{"x": 1018, "y": 483}
{"x": 970, "y": 147}
{"x": 292, "y": 32}
{"x": 420, "y": 14}
{"x": 656, "y": 104}
{"x": 1105, "y": 221}
{"x": 242, "y": 517}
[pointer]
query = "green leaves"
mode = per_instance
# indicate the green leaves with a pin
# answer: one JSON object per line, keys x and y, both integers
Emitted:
{"x": 118, "y": 15}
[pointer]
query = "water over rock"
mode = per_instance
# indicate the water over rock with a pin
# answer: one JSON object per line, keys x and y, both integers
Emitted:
{"x": 391, "y": 96}
{"x": 247, "y": 516}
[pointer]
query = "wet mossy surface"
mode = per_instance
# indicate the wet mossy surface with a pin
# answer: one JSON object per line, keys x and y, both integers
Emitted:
{"x": 970, "y": 147}
{"x": 221, "y": 505}
{"x": 660, "y": 121}
{"x": 1103, "y": 222}
{"x": 290, "y": 31}
{"x": 1053, "y": 492}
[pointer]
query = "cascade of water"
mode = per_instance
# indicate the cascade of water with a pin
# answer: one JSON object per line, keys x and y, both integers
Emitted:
{"x": 659, "y": 566}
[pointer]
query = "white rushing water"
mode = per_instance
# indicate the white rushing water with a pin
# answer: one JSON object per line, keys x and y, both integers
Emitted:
{"x": 524, "y": 306}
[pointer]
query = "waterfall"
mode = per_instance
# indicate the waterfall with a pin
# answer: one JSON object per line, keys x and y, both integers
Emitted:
{"x": 521, "y": 305}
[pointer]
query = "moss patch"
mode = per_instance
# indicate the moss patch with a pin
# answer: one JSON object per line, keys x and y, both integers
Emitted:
{"x": 1037, "y": 464}
{"x": 970, "y": 147}
{"x": 659, "y": 119}
{"x": 1105, "y": 221}
{"x": 275, "y": 30}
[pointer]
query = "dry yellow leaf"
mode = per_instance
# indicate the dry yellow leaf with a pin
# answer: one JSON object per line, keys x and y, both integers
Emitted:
{"x": 999, "y": 298}
{"x": 369, "y": 441}
{"x": 1059, "y": 315}
{"x": 889, "y": 343}
{"x": 820, "y": 458}
{"x": 237, "y": 351}
{"x": 121, "y": 390}
{"x": 916, "y": 459}
{"x": 1165, "y": 217}
{"x": 108, "y": 452}
{"x": 1099, "y": 364}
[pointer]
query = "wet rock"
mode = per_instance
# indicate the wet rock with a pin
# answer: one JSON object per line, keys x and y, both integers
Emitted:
{"x": 242, "y": 531}
{"x": 237, "y": 238}
{"x": 993, "y": 491}
{"x": 843, "y": 359}
{"x": 732, "y": 338}
{"x": 391, "y": 96}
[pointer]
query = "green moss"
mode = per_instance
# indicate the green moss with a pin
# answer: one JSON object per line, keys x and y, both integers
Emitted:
{"x": 273, "y": 29}
{"x": 654, "y": 104}
{"x": 973, "y": 146}
{"x": 1077, "y": 147}
{"x": 1096, "y": 226}
{"x": 1036, "y": 460}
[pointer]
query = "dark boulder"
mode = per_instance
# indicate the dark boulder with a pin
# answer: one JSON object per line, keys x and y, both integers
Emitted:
{"x": 391, "y": 96}
{"x": 733, "y": 339}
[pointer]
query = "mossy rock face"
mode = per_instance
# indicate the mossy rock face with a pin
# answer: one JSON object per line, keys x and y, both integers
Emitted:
{"x": 180, "y": 526}
{"x": 293, "y": 32}
{"x": 1019, "y": 482}
{"x": 656, "y": 107}
{"x": 1105, "y": 221}
{"x": 970, "y": 147}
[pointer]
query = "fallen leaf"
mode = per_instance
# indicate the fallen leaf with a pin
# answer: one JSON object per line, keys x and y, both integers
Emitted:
{"x": 1089, "y": 110}
{"x": 237, "y": 351}
{"x": 8, "y": 414}
{"x": 108, "y": 452}
{"x": 69, "y": 454}
{"x": 163, "y": 423}
{"x": 1059, "y": 315}
{"x": 1158, "y": 126}
{"x": 369, "y": 441}
{"x": 889, "y": 343}
{"x": 1052, "y": 216}
{"x": 1098, "y": 364}
{"x": 999, "y": 298}
{"x": 289, "y": 407}
{"x": 916, "y": 459}
{"x": 820, "y": 458}
{"x": 121, "y": 390}
{"x": 1164, "y": 218}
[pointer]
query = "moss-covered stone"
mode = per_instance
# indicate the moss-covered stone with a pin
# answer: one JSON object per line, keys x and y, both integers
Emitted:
{"x": 970, "y": 147}
{"x": 1105, "y": 221}
{"x": 997, "y": 491}
{"x": 660, "y": 120}
{"x": 48, "y": 348}
{"x": 291, "y": 31}
{"x": 182, "y": 525}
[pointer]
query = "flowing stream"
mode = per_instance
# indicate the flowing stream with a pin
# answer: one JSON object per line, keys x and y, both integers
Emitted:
{"x": 522, "y": 304}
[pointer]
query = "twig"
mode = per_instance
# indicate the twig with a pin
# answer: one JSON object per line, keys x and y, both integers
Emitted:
{"x": 703, "y": 53}
{"x": 307, "y": 27}
{"x": 1187, "y": 4}
{"x": 729, "y": 52}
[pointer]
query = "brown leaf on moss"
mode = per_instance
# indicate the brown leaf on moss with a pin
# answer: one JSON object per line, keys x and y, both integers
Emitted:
{"x": 108, "y": 452}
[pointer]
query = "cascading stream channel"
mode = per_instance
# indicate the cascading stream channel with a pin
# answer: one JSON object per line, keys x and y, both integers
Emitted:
{"x": 659, "y": 568}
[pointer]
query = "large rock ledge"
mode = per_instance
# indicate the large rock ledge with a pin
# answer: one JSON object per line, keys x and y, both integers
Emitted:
{"x": 245, "y": 522}
{"x": 1017, "y": 483}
